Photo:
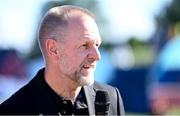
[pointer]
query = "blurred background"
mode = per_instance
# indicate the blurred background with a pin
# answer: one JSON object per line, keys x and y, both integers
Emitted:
{"x": 140, "y": 49}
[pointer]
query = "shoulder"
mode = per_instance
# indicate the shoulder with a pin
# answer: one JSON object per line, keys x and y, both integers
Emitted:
{"x": 19, "y": 101}
{"x": 27, "y": 93}
{"x": 13, "y": 103}
{"x": 103, "y": 86}
{"x": 112, "y": 91}
{"x": 24, "y": 92}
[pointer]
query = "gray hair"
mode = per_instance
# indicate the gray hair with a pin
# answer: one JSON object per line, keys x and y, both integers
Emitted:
{"x": 55, "y": 22}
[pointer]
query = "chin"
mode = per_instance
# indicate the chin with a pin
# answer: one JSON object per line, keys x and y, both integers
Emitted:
{"x": 86, "y": 80}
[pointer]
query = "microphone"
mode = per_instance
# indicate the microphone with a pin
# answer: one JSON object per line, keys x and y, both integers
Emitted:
{"x": 102, "y": 103}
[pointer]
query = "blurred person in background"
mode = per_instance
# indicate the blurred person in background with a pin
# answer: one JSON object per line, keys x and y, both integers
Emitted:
{"x": 164, "y": 91}
{"x": 13, "y": 72}
{"x": 69, "y": 40}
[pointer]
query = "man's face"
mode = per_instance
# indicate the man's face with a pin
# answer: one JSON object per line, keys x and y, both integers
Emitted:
{"x": 79, "y": 50}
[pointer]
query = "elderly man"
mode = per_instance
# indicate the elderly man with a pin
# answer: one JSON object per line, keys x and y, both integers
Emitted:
{"x": 69, "y": 40}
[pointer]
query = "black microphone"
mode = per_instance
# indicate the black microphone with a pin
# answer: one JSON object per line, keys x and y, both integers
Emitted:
{"x": 102, "y": 103}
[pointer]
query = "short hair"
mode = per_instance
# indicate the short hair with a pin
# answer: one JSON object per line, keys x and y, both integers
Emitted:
{"x": 55, "y": 22}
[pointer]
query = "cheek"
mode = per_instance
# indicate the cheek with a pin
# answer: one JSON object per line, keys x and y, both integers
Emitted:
{"x": 79, "y": 55}
{"x": 76, "y": 62}
{"x": 71, "y": 61}
{"x": 80, "y": 58}
{"x": 73, "y": 58}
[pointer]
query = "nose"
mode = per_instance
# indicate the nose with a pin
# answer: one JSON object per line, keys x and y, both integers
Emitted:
{"x": 94, "y": 54}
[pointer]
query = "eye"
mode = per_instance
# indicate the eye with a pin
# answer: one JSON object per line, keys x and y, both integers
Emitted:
{"x": 98, "y": 45}
{"x": 85, "y": 46}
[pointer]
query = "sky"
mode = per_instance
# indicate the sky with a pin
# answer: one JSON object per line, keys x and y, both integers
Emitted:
{"x": 18, "y": 20}
{"x": 18, "y": 23}
{"x": 133, "y": 17}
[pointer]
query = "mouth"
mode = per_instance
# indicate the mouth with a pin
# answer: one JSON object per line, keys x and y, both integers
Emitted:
{"x": 87, "y": 69}
{"x": 87, "y": 66}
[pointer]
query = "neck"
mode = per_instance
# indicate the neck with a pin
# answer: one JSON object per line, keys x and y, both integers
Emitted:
{"x": 63, "y": 86}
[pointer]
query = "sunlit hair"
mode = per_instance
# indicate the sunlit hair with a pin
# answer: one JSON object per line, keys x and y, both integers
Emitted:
{"x": 55, "y": 22}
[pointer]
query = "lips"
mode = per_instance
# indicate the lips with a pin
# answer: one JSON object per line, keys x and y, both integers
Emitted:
{"x": 87, "y": 66}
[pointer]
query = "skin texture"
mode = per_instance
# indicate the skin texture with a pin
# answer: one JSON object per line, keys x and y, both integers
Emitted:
{"x": 71, "y": 62}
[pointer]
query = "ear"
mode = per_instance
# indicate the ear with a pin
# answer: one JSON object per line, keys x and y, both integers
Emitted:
{"x": 51, "y": 48}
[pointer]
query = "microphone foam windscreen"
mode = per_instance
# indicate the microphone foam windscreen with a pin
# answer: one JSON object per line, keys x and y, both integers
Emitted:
{"x": 102, "y": 97}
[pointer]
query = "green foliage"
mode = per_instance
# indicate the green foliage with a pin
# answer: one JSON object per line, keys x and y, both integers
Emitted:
{"x": 170, "y": 15}
{"x": 143, "y": 52}
{"x": 135, "y": 42}
{"x": 173, "y": 12}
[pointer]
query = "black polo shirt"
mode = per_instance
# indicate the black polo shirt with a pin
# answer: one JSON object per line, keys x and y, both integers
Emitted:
{"x": 37, "y": 98}
{"x": 67, "y": 107}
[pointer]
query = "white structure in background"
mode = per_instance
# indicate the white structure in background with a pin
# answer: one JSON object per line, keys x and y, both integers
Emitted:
{"x": 122, "y": 57}
{"x": 9, "y": 85}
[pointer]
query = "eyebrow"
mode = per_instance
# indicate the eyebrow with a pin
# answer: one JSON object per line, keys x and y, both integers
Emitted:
{"x": 90, "y": 38}
{"x": 93, "y": 41}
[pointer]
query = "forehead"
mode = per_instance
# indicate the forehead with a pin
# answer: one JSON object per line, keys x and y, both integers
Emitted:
{"x": 83, "y": 27}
